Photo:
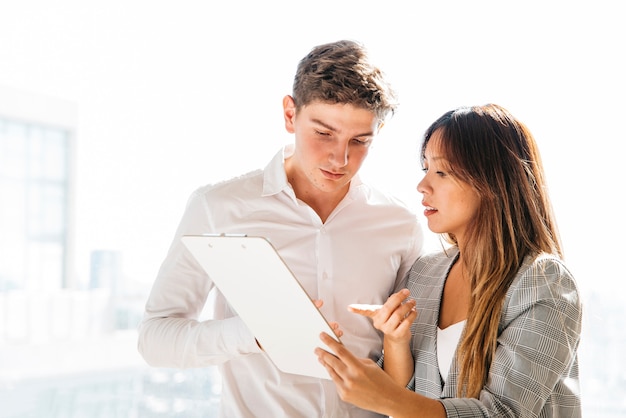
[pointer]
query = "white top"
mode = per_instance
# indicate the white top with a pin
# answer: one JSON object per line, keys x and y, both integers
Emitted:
{"x": 447, "y": 341}
{"x": 360, "y": 255}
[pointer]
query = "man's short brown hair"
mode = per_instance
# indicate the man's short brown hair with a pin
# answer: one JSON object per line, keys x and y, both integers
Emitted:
{"x": 341, "y": 72}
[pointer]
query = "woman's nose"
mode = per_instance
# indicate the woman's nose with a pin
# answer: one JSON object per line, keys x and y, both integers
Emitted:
{"x": 421, "y": 185}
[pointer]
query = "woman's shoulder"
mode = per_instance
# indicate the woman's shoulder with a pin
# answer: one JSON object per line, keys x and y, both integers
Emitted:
{"x": 546, "y": 289}
{"x": 545, "y": 267}
{"x": 434, "y": 263}
{"x": 448, "y": 254}
{"x": 544, "y": 277}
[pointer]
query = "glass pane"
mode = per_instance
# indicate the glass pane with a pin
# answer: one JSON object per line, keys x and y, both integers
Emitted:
{"x": 54, "y": 161}
{"x": 13, "y": 158}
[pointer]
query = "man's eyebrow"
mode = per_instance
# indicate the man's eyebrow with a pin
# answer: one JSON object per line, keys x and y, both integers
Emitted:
{"x": 325, "y": 125}
{"x": 331, "y": 128}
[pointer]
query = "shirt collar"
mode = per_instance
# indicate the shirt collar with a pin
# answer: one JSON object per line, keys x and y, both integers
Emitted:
{"x": 274, "y": 176}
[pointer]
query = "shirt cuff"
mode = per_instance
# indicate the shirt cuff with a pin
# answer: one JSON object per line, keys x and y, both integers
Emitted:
{"x": 237, "y": 337}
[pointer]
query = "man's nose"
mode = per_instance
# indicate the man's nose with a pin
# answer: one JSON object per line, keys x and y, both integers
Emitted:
{"x": 339, "y": 154}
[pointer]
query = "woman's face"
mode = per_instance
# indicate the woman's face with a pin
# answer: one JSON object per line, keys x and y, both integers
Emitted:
{"x": 450, "y": 203}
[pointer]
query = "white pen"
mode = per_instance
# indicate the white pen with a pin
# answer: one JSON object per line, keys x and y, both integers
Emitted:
{"x": 365, "y": 306}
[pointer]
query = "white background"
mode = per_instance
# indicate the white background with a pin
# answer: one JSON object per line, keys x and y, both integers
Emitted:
{"x": 171, "y": 96}
{"x": 174, "y": 95}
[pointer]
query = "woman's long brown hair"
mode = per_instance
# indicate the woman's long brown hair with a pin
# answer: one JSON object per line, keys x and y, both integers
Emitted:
{"x": 497, "y": 155}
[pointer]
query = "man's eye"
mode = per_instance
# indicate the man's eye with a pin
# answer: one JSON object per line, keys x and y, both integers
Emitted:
{"x": 322, "y": 133}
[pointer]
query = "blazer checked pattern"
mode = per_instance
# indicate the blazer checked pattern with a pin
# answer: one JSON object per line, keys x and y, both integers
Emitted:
{"x": 534, "y": 372}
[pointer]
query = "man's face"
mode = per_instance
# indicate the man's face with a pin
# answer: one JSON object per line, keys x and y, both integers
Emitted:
{"x": 331, "y": 143}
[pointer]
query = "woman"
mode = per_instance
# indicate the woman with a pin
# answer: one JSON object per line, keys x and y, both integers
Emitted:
{"x": 491, "y": 326}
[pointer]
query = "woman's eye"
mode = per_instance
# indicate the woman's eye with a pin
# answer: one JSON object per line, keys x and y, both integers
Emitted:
{"x": 439, "y": 173}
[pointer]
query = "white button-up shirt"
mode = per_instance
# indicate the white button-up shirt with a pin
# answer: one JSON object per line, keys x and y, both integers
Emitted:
{"x": 361, "y": 254}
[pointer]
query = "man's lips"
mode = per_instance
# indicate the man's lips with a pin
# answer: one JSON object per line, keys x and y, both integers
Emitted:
{"x": 332, "y": 175}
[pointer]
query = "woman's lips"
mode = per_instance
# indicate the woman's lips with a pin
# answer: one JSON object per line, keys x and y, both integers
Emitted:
{"x": 429, "y": 210}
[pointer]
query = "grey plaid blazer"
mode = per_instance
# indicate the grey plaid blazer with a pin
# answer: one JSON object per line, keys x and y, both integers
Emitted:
{"x": 535, "y": 369}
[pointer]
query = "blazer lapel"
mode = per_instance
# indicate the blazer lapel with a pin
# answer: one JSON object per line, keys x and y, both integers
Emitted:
{"x": 427, "y": 289}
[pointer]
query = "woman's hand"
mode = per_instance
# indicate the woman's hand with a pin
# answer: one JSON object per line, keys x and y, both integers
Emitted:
{"x": 394, "y": 318}
{"x": 359, "y": 381}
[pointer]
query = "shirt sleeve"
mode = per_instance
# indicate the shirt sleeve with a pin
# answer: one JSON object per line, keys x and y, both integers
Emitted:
{"x": 171, "y": 333}
{"x": 414, "y": 251}
{"x": 535, "y": 360}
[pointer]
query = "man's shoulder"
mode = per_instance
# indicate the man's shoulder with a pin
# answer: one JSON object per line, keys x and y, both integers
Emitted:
{"x": 378, "y": 197}
{"x": 233, "y": 186}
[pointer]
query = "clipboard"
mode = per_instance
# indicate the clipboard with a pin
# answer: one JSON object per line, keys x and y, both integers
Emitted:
{"x": 267, "y": 296}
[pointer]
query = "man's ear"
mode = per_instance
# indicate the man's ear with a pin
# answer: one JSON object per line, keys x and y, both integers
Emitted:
{"x": 289, "y": 113}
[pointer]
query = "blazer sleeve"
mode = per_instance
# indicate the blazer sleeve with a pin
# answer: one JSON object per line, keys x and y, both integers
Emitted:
{"x": 535, "y": 367}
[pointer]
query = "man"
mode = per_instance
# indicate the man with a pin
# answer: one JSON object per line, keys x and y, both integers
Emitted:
{"x": 345, "y": 242}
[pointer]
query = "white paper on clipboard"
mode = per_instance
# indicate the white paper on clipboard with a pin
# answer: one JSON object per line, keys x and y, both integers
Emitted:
{"x": 259, "y": 286}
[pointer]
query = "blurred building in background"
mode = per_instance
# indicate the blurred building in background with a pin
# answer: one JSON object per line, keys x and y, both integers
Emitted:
{"x": 68, "y": 350}
{"x": 37, "y": 137}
